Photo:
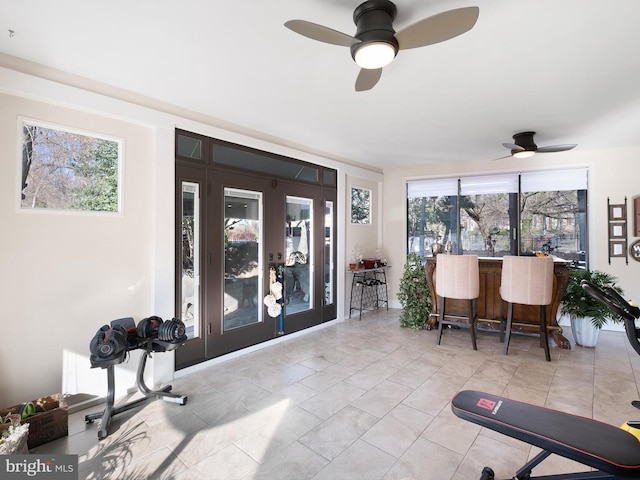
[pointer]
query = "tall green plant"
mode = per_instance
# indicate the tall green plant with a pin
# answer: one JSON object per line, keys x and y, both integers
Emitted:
{"x": 414, "y": 294}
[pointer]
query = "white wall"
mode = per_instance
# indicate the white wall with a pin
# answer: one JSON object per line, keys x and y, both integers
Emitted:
{"x": 362, "y": 238}
{"x": 66, "y": 274}
{"x": 611, "y": 174}
{"x": 62, "y": 276}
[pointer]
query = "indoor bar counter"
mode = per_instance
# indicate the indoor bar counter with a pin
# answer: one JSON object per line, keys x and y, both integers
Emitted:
{"x": 525, "y": 317}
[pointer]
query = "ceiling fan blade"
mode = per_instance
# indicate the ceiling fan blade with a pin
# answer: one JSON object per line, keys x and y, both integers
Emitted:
{"x": 321, "y": 33}
{"x": 557, "y": 148}
{"x": 512, "y": 146}
{"x": 367, "y": 79}
{"x": 502, "y": 158}
{"x": 438, "y": 28}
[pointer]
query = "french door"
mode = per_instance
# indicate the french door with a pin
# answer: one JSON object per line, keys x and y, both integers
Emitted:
{"x": 238, "y": 234}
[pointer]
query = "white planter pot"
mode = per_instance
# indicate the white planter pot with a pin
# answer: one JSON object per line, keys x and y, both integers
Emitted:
{"x": 584, "y": 333}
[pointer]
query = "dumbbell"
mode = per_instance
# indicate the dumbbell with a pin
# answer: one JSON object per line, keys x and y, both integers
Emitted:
{"x": 108, "y": 342}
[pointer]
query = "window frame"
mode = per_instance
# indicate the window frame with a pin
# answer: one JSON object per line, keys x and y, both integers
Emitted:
{"x": 418, "y": 188}
{"x": 22, "y": 122}
{"x": 368, "y": 220}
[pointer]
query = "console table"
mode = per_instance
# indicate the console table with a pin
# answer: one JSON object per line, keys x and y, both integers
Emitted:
{"x": 489, "y": 301}
{"x": 368, "y": 289}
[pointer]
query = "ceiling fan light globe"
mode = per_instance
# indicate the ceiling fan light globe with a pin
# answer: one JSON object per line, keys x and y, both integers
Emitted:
{"x": 523, "y": 153}
{"x": 373, "y": 55}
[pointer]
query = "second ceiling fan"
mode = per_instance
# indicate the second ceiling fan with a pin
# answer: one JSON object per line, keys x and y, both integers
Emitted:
{"x": 376, "y": 43}
{"x": 524, "y": 146}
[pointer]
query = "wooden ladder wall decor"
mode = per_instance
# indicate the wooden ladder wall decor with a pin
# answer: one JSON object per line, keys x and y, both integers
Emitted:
{"x": 617, "y": 227}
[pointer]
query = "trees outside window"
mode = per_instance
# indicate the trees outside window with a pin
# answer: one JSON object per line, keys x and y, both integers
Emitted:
{"x": 360, "y": 205}
{"x": 496, "y": 215}
{"x": 66, "y": 170}
{"x": 551, "y": 222}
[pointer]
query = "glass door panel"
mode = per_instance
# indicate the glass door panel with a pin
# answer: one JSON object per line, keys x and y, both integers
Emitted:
{"x": 243, "y": 247}
{"x": 190, "y": 292}
{"x": 329, "y": 275}
{"x": 299, "y": 256}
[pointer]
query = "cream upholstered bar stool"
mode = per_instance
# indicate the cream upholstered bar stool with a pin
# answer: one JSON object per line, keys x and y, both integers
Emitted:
{"x": 526, "y": 281}
{"x": 458, "y": 277}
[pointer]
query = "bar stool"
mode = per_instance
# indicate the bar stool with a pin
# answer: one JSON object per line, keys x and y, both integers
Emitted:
{"x": 526, "y": 281}
{"x": 458, "y": 277}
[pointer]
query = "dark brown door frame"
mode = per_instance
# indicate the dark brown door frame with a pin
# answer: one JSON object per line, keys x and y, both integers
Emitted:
{"x": 212, "y": 180}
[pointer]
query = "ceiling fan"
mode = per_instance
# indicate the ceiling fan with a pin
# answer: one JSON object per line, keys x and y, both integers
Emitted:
{"x": 524, "y": 146}
{"x": 376, "y": 43}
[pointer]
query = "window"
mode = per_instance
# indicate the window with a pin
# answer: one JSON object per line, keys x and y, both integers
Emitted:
{"x": 188, "y": 147}
{"x": 329, "y": 270}
{"x": 360, "y": 205}
{"x": 496, "y": 215}
{"x": 487, "y": 211}
{"x": 67, "y": 170}
{"x": 191, "y": 251}
{"x": 553, "y": 214}
{"x": 256, "y": 161}
{"x": 431, "y": 213}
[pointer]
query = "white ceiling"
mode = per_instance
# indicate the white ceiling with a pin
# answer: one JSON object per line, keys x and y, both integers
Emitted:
{"x": 567, "y": 69}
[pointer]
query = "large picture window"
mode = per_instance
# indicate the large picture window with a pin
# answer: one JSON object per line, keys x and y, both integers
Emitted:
{"x": 496, "y": 215}
{"x": 67, "y": 170}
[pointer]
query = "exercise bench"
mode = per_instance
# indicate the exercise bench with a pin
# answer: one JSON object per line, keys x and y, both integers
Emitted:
{"x": 612, "y": 452}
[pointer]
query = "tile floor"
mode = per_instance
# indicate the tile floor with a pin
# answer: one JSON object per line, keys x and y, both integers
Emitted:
{"x": 360, "y": 399}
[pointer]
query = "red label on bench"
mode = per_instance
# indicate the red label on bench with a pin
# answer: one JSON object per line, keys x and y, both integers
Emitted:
{"x": 485, "y": 403}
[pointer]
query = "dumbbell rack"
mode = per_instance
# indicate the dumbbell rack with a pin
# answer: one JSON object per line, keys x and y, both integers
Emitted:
{"x": 149, "y": 345}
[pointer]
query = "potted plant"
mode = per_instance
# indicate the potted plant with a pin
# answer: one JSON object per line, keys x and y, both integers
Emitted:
{"x": 587, "y": 315}
{"x": 414, "y": 294}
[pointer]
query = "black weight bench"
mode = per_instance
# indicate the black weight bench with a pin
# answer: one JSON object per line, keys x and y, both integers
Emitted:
{"x": 613, "y": 452}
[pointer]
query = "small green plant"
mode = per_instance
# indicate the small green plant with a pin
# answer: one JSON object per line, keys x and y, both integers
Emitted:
{"x": 8, "y": 432}
{"x": 578, "y": 303}
{"x": 414, "y": 294}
